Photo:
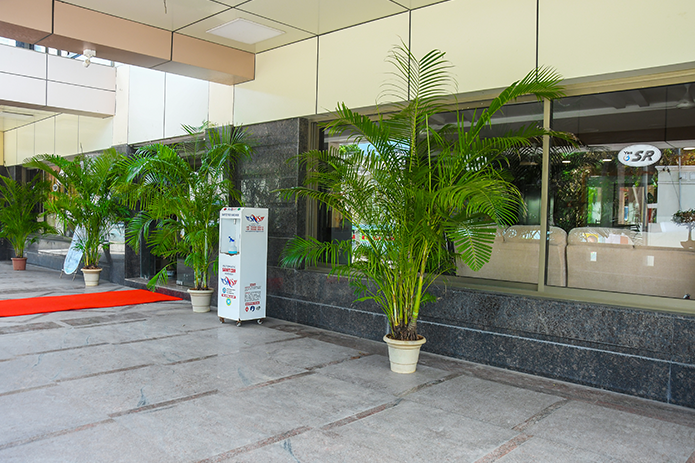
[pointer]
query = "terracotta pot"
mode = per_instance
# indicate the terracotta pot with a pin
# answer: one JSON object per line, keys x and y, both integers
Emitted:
{"x": 19, "y": 263}
{"x": 91, "y": 276}
{"x": 404, "y": 355}
{"x": 200, "y": 299}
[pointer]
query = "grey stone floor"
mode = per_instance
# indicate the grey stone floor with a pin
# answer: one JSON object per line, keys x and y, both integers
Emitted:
{"x": 158, "y": 383}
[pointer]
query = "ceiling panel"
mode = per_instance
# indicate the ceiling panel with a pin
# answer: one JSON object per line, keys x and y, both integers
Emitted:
{"x": 199, "y": 30}
{"x": 165, "y": 14}
{"x": 322, "y": 16}
{"x": 298, "y": 19}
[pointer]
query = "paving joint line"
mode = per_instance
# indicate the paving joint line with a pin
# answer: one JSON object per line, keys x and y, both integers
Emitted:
{"x": 543, "y": 414}
{"x": 275, "y": 381}
{"x": 108, "y": 372}
{"x": 118, "y": 322}
{"x": 504, "y": 449}
{"x": 163, "y": 404}
{"x": 49, "y": 435}
{"x": 23, "y": 328}
{"x": 691, "y": 459}
{"x": 256, "y": 445}
{"x": 336, "y": 362}
{"x": 361, "y": 415}
{"x": 149, "y": 339}
{"x": 434, "y": 382}
{"x": 639, "y": 412}
{"x": 28, "y": 389}
{"x": 574, "y": 393}
{"x": 203, "y": 329}
{"x": 284, "y": 340}
{"x": 62, "y": 350}
{"x": 197, "y": 359}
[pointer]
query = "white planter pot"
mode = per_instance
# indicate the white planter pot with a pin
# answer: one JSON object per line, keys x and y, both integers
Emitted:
{"x": 404, "y": 355}
{"x": 91, "y": 276}
{"x": 200, "y": 299}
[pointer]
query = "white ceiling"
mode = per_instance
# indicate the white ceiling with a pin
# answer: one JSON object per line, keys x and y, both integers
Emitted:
{"x": 298, "y": 19}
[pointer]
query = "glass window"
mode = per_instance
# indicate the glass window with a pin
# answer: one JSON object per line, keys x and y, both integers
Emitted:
{"x": 615, "y": 198}
{"x": 515, "y": 253}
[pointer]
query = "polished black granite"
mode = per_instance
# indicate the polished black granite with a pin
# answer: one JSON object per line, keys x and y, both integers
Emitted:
{"x": 616, "y": 348}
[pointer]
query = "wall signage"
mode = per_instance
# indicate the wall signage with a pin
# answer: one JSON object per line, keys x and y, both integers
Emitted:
{"x": 639, "y": 155}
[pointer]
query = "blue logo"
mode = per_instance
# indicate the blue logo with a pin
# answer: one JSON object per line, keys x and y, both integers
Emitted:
{"x": 253, "y": 308}
{"x": 229, "y": 301}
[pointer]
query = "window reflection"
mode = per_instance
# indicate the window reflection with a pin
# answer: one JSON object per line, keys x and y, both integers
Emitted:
{"x": 621, "y": 235}
{"x": 611, "y": 225}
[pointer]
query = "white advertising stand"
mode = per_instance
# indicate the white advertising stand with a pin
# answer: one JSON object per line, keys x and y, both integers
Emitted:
{"x": 242, "y": 264}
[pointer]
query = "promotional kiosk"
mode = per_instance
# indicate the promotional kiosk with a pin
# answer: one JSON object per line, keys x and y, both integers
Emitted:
{"x": 242, "y": 264}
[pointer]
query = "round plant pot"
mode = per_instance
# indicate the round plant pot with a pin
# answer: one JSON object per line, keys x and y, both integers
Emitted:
{"x": 91, "y": 276}
{"x": 19, "y": 263}
{"x": 200, "y": 299}
{"x": 404, "y": 355}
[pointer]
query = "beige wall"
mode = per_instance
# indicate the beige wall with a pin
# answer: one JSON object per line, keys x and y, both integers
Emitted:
{"x": 285, "y": 85}
{"x": 597, "y": 37}
{"x": 186, "y": 102}
{"x": 491, "y": 44}
{"x": 221, "y": 103}
{"x": 353, "y": 75}
{"x": 9, "y": 143}
{"x": 120, "y": 119}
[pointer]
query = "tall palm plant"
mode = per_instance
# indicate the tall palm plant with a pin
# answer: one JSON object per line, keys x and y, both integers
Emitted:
{"x": 414, "y": 189}
{"x": 180, "y": 191}
{"x": 88, "y": 198}
{"x": 19, "y": 217}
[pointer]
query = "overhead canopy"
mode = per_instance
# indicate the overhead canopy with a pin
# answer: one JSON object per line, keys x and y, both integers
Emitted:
{"x": 73, "y": 28}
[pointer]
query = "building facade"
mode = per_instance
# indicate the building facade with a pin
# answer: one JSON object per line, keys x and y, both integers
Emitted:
{"x": 605, "y": 300}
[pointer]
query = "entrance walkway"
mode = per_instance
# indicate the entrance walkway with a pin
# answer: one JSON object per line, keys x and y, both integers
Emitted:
{"x": 158, "y": 383}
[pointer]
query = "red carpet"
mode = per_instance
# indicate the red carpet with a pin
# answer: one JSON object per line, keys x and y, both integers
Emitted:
{"x": 32, "y": 305}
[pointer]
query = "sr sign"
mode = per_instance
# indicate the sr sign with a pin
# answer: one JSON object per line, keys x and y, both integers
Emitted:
{"x": 639, "y": 155}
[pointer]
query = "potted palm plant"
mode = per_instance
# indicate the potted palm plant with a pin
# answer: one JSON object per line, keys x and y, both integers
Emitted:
{"x": 19, "y": 217}
{"x": 180, "y": 191}
{"x": 87, "y": 203}
{"x": 412, "y": 192}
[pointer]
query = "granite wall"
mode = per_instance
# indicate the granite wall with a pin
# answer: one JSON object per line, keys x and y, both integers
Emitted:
{"x": 271, "y": 167}
{"x": 639, "y": 352}
{"x": 643, "y": 353}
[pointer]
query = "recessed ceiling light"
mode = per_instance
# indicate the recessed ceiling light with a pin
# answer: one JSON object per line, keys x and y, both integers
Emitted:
{"x": 566, "y": 161}
{"x": 689, "y": 148}
{"x": 245, "y": 31}
{"x": 606, "y": 160}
